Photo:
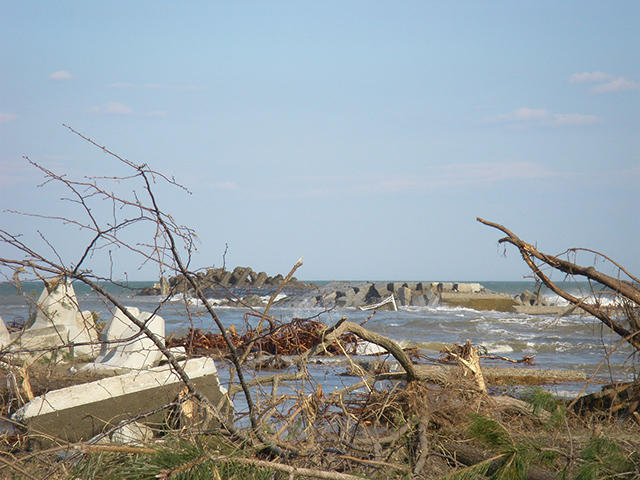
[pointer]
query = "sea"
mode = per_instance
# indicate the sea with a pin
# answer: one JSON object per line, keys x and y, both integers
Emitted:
{"x": 572, "y": 342}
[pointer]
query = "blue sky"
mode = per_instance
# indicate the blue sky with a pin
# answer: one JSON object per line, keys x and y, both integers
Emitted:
{"x": 366, "y": 136}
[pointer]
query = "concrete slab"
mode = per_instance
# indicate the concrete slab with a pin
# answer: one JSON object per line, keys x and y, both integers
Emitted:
{"x": 501, "y": 302}
{"x": 80, "y": 412}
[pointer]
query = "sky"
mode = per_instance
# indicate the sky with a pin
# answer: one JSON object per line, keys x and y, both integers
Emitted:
{"x": 365, "y": 136}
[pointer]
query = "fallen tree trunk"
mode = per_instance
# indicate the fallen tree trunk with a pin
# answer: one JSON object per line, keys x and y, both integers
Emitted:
{"x": 441, "y": 375}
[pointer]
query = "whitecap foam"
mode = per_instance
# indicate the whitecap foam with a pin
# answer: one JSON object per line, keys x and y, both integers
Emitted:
{"x": 454, "y": 309}
{"x": 606, "y": 299}
{"x": 178, "y": 297}
{"x": 563, "y": 346}
{"x": 280, "y": 296}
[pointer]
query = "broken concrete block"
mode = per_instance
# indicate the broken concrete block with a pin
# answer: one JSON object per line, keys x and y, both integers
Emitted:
{"x": 432, "y": 298}
{"x": 132, "y": 433}
{"x": 59, "y": 322}
{"x": 124, "y": 347}
{"x": 80, "y": 412}
{"x": 57, "y": 305}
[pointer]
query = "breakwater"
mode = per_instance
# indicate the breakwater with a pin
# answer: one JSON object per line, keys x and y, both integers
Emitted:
{"x": 242, "y": 286}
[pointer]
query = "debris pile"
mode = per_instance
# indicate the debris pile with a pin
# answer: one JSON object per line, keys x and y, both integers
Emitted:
{"x": 292, "y": 338}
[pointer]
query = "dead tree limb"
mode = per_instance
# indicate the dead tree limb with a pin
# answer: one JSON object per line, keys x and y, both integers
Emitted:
{"x": 343, "y": 326}
{"x": 621, "y": 287}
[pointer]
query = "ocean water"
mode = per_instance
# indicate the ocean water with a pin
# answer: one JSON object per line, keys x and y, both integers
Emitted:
{"x": 573, "y": 342}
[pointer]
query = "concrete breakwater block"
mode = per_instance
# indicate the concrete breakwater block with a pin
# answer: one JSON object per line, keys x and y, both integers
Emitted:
{"x": 124, "y": 347}
{"x": 80, "y": 412}
{"x": 210, "y": 280}
{"x": 59, "y": 322}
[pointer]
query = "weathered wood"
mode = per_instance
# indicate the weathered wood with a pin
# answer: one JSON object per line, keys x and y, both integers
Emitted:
{"x": 392, "y": 347}
{"x": 528, "y": 376}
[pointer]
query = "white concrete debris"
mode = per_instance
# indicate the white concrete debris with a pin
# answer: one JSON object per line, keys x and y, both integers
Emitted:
{"x": 368, "y": 348}
{"x": 59, "y": 322}
{"x": 132, "y": 433}
{"x": 82, "y": 411}
{"x": 124, "y": 347}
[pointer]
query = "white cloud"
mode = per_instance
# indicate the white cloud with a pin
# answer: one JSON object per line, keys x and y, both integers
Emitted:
{"x": 607, "y": 83}
{"x": 153, "y": 86}
{"x": 60, "y": 75}
{"x": 113, "y": 108}
{"x": 7, "y": 117}
{"x": 593, "y": 77}
{"x": 539, "y": 117}
{"x": 617, "y": 85}
{"x": 573, "y": 120}
{"x": 117, "y": 108}
{"x": 520, "y": 115}
{"x": 525, "y": 113}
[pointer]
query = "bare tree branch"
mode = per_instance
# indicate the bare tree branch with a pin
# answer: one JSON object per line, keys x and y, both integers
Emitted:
{"x": 624, "y": 288}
